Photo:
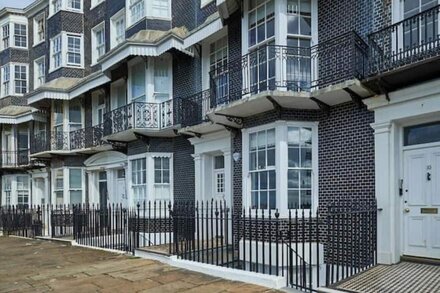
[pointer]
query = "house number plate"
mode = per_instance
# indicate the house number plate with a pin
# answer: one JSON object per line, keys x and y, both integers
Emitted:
{"x": 432, "y": 211}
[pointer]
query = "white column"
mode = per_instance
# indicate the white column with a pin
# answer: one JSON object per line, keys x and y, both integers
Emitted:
{"x": 386, "y": 200}
{"x": 198, "y": 167}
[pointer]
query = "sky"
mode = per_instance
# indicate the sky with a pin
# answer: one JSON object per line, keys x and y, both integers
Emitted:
{"x": 15, "y": 3}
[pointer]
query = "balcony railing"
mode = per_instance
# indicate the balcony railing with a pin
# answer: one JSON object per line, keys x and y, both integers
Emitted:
{"x": 15, "y": 158}
{"x": 140, "y": 115}
{"x": 294, "y": 69}
{"x": 411, "y": 40}
{"x": 87, "y": 137}
{"x": 195, "y": 107}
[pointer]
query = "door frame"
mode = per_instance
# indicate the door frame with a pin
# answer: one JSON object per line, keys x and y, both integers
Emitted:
{"x": 405, "y": 150}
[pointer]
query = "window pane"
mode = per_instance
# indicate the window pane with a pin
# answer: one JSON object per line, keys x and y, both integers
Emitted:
{"x": 293, "y": 179}
{"x": 219, "y": 162}
{"x": 293, "y": 199}
{"x": 306, "y": 199}
{"x": 75, "y": 178}
{"x": 157, "y": 176}
{"x": 76, "y": 197}
{"x": 293, "y": 157}
{"x": 306, "y": 179}
{"x": 306, "y": 157}
{"x": 254, "y": 181}
{"x": 420, "y": 134}
{"x": 293, "y": 136}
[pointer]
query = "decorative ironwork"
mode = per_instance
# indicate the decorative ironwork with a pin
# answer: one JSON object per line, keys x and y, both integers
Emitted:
{"x": 13, "y": 159}
{"x": 140, "y": 115}
{"x": 411, "y": 40}
{"x": 59, "y": 140}
{"x": 40, "y": 143}
{"x": 295, "y": 69}
{"x": 194, "y": 108}
{"x": 87, "y": 137}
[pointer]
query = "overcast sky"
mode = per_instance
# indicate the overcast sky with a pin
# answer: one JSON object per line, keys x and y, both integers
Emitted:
{"x": 15, "y": 3}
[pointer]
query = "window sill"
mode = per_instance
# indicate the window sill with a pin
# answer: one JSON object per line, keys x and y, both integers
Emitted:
{"x": 151, "y": 17}
{"x": 96, "y": 5}
{"x": 205, "y": 4}
{"x": 39, "y": 43}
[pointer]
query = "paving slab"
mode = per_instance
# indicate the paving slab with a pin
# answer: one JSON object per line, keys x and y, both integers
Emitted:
{"x": 41, "y": 266}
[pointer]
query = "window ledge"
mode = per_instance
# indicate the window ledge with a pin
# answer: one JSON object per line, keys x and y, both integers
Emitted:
{"x": 159, "y": 18}
{"x": 205, "y": 4}
{"x": 39, "y": 43}
{"x": 96, "y": 5}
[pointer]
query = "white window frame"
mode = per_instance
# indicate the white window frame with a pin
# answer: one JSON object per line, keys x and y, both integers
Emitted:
{"x": 95, "y": 46}
{"x": 37, "y": 19}
{"x": 78, "y": 51}
{"x": 19, "y": 79}
{"x": 6, "y": 36}
{"x": 162, "y": 184}
{"x": 23, "y": 192}
{"x": 63, "y": 37}
{"x": 25, "y": 35}
{"x": 114, "y": 40}
{"x": 6, "y": 83}
{"x": 281, "y": 163}
{"x": 131, "y": 64}
{"x": 74, "y": 189}
{"x": 54, "y": 55}
{"x": 155, "y": 6}
{"x": 11, "y": 190}
{"x": 95, "y": 3}
{"x": 9, "y": 89}
{"x": 39, "y": 79}
{"x": 149, "y": 157}
{"x": 129, "y": 20}
{"x": 65, "y": 171}
{"x": 64, "y": 5}
{"x": 97, "y": 107}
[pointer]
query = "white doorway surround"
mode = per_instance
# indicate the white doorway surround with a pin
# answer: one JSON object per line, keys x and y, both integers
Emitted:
{"x": 213, "y": 179}
{"x": 421, "y": 195}
{"x": 40, "y": 188}
{"x": 112, "y": 166}
{"x": 406, "y": 108}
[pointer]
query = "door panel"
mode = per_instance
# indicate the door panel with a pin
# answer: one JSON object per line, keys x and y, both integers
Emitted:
{"x": 417, "y": 182}
{"x": 421, "y": 202}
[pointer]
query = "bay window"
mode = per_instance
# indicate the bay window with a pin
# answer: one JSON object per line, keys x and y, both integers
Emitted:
{"x": 23, "y": 191}
{"x": 98, "y": 42}
{"x": 19, "y": 86}
{"x": 117, "y": 28}
{"x": 161, "y": 8}
{"x": 73, "y": 50}
{"x": 70, "y": 5}
{"x": 20, "y": 79}
{"x": 162, "y": 178}
{"x": 56, "y": 52}
{"x": 75, "y": 186}
{"x": 139, "y": 180}
{"x": 67, "y": 51}
{"x": 136, "y": 10}
{"x": 6, "y": 75}
{"x": 151, "y": 177}
{"x": 39, "y": 72}
{"x": 20, "y": 35}
{"x": 5, "y": 36}
{"x": 280, "y": 164}
{"x": 56, "y": 6}
{"x": 74, "y": 4}
{"x": 262, "y": 169}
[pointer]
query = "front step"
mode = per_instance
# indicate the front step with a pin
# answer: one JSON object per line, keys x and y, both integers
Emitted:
{"x": 421, "y": 260}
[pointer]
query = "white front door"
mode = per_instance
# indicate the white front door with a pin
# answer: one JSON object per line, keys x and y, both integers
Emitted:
{"x": 422, "y": 202}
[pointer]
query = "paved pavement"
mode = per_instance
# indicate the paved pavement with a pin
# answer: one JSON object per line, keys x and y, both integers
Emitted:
{"x": 41, "y": 266}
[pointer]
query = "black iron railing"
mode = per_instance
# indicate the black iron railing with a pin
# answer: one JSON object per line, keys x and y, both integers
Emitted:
{"x": 140, "y": 115}
{"x": 294, "y": 69}
{"x": 13, "y": 159}
{"x": 50, "y": 141}
{"x": 411, "y": 40}
{"x": 87, "y": 137}
{"x": 194, "y": 108}
{"x": 309, "y": 249}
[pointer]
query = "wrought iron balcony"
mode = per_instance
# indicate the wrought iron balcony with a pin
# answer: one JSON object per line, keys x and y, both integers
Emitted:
{"x": 412, "y": 42}
{"x": 50, "y": 141}
{"x": 87, "y": 137}
{"x": 195, "y": 107}
{"x": 140, "y": 115}
{"x": 13, "y": 159}
{"x": 291, "y": 69}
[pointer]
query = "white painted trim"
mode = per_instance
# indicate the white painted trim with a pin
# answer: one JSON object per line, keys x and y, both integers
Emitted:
{"x": 96, "y": 3}
{"x": 95, "y": 29}
{"x": 203, "y": 33}
{"x": 281, "y": 152}
{"x": 116, "y": 17}
{"x": 35, "y": 32}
